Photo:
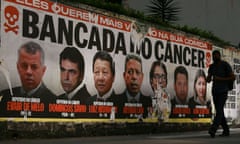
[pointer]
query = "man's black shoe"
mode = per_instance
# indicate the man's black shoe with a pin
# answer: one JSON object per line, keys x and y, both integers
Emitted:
{"x": 212, "y": 133}
{"x": 224, "y": 135}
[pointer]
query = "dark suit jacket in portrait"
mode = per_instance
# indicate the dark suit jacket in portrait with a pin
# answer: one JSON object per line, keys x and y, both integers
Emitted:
{"x": 73, "y": 109}
{"x": 93, "y": 98}
{"x": 179, "y": 110}
{"x": 106, "y": 104}
{"x": 82, "y": 94}
{"x": 21, "y": 104}
{"x": 200, "y": 110}
{"x": 122, "y": 99}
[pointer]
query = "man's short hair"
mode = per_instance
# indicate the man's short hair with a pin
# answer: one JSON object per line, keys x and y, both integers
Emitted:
{"x": 103, "y": 55}
{"x": 180, "y": 70}
{"x": 132, "y": 57}
{"x": 32, "y": 48}
{"x": 73, "y": 54}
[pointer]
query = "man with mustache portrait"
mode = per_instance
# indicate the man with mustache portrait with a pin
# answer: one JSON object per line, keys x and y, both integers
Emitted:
{"x": 132, "y": 95}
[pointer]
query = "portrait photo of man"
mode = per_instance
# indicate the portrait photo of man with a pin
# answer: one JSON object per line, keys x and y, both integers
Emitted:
{"x": 180, "y": 86}
{"x": 103, "y": 68}
{"x": 104, "y": 75}
{"x": 72, "y": 68}
{"x": 133, "y": 77}
{"x": 31, "y": 69}
{"x": 180, "y": 100}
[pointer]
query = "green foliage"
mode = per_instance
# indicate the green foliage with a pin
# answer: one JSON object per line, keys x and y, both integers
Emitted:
{"x": 154, "y": 19}
{"x": 114, "y": 7}
{"x": 202, "y": 33}
{"x": 166, "y": 10}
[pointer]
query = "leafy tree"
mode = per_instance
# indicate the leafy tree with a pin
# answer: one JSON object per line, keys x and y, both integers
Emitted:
{"x": 165, "y": 10}
{"x": 114, "y": 1}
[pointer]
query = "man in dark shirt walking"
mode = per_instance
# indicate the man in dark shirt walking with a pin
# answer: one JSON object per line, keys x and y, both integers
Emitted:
{"x": 221, "y": 73}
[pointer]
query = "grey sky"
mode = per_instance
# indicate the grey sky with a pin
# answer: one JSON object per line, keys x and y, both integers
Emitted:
{"x": 221, "y": 17}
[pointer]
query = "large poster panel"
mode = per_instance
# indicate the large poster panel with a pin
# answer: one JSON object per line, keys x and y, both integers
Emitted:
{"x": 63, "y": 62}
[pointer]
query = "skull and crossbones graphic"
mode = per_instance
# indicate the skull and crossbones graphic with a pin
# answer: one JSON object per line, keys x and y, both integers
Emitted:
{"x": 12, "y": 16}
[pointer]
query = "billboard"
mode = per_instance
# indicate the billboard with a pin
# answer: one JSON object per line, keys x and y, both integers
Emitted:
{"x": 62, "y": 62}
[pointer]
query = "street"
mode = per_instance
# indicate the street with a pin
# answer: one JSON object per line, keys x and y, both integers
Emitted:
{"x": 200, "y": 137}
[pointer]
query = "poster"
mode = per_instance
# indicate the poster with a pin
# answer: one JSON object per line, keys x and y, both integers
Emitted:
{"x": 37, "y": 86}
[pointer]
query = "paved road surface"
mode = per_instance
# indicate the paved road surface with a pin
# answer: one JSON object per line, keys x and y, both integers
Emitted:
{"x": 171, "y": 138}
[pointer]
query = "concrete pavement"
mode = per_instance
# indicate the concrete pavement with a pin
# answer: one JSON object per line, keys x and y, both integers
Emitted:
{"x": 200, "y": 137}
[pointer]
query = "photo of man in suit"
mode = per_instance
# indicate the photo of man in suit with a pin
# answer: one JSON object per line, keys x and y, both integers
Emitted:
{"x": 103, "y": 74}
{"x": 133, "y": 77}
{"x": 33, "y": 94}
{"x": 72, "y": 73}
{"x": 75, "y": 94}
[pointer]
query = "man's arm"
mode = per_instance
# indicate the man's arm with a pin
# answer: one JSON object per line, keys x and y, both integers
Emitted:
{"x": 231, "y": 77}
{"x": 209, "y": 78}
